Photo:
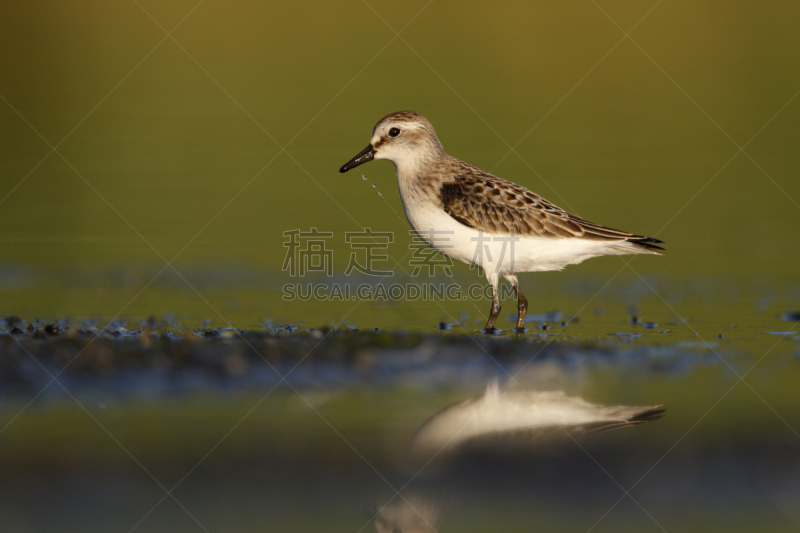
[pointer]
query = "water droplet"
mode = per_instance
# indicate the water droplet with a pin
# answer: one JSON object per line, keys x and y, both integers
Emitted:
{"x": 373, "y": 185}
{"x": 363, "y": 177}
{"x": 379, "y": 194}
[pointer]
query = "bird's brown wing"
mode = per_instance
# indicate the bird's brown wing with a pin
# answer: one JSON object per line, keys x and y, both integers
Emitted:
{"x": 485, "y": 202}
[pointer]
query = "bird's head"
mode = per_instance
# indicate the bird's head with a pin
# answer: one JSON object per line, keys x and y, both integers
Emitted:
{"x": 404, "y": 138}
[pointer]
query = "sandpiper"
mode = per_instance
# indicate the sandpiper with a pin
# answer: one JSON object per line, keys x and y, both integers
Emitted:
{"x": 522, "y": 428}
{"x": 482, "y": 220}
{"x": 500, "y": 417}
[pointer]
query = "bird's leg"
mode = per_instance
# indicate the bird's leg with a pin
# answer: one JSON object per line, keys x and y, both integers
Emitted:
{"x": 522, "y": 309}
{"x": 522, "y": 303}
{"x": 495, "y": 311}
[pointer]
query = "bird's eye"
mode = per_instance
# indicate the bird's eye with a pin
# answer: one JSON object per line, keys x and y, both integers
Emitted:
{"x": 394, "y": 132}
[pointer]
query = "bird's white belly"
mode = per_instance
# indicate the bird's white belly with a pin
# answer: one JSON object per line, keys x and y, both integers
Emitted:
{"x": 502, "y": 254}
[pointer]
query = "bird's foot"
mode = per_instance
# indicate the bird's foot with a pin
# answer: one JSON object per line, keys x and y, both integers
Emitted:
{"x": 491, "y": 330}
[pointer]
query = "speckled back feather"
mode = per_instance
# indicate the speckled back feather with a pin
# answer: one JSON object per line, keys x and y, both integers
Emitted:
{"x": 483, "y": 201}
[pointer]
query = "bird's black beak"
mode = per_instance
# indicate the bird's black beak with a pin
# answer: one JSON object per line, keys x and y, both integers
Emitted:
{"x": 367, "y": 154}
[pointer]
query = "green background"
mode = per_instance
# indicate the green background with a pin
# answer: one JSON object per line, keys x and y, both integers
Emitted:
{"x": 203, "y": 147}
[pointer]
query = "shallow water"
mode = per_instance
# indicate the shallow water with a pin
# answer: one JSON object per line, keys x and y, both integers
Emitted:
{"x": 135, "y": 410}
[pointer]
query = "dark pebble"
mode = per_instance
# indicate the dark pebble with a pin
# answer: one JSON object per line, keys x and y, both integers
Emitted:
{"x": 12, "y": 320}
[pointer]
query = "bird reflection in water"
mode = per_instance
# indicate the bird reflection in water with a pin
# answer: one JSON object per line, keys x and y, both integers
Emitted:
{"x": 513, "y": 425}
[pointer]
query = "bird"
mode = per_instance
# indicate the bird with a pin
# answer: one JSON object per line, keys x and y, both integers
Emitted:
{"x": 500, "y": 418}
{"x": 523, "y": 426}
{"x": 480, "y": 219}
